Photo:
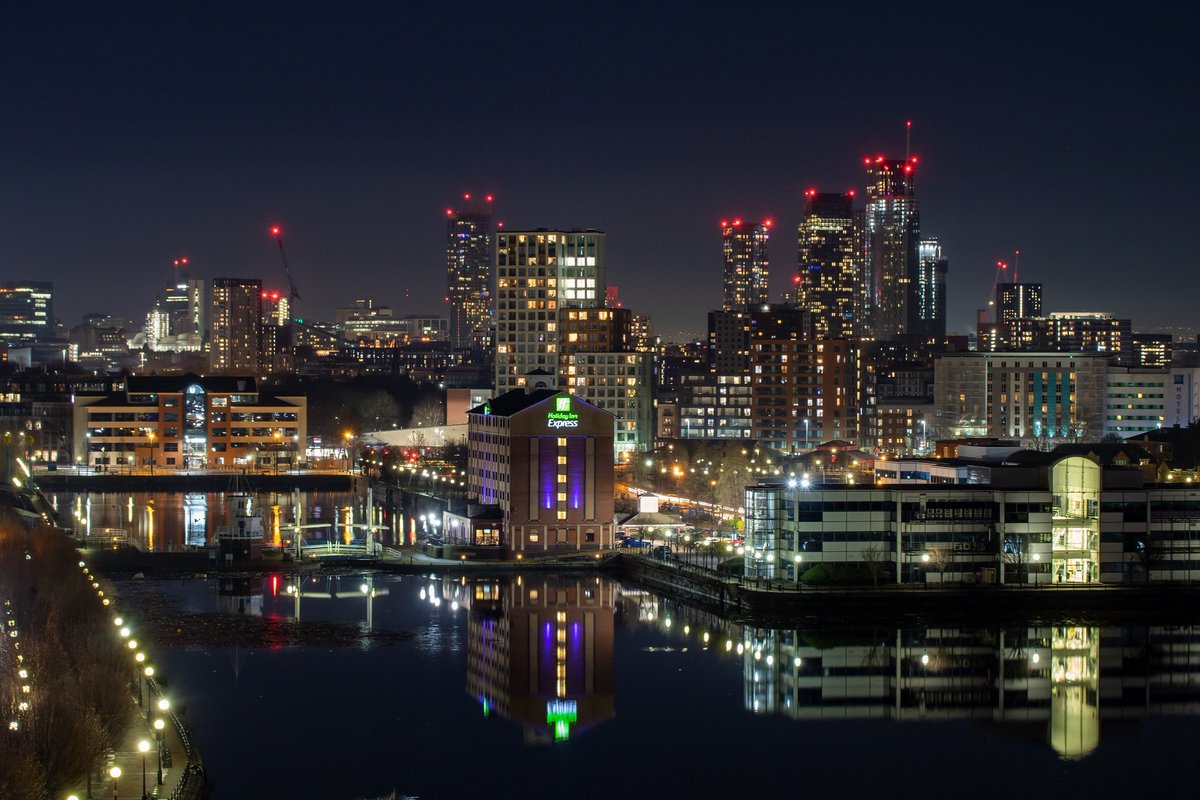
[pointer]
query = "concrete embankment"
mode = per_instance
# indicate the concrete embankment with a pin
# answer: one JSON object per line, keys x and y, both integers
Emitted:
{"x": 785, "y": 605}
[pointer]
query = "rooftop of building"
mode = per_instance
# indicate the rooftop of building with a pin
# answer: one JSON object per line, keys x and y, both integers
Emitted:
{"x": 513, "y": 402}
{"x": 213, "y": 384}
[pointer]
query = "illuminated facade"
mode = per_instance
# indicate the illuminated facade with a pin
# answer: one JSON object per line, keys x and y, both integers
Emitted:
{"x": 26, "y": 311}
{"x": 620, "y": 383}
{"x": 929, "y": 318}
{"x": 539, "y": 273}
{"x": 803, "y": 391}
{"x": 1027, "y": 396}
{"x": 546, "y": 459}
{"x": 893, "y": 228}
{"x": 235, "y": 340}
{"x": 830, "y": 283}
{"x": 1050, "y": 523}
{"x": 1017, "y": 301}
{"x": 469, "y": 272}
{"x": 190, "y": 422}
{"x": 746, "y": 263}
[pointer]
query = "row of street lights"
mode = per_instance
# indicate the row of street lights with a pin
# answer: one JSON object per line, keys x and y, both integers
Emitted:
{"x": 144, "y": 672}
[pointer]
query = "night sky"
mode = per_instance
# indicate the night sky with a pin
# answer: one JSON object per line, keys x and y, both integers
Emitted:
{"x": 133, "y": 134}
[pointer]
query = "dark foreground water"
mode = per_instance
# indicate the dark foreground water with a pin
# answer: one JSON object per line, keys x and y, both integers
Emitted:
{"x": 581, "y": 687}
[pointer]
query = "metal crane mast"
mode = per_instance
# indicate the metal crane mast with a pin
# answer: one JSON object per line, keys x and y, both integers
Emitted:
{"x": 293, "y": 292}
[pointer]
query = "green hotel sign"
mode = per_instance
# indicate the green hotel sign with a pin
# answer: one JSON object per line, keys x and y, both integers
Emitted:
{"x": 562, "y": 416}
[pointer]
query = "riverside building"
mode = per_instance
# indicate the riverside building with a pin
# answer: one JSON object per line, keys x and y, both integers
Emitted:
{"x": 545, "y": 459}
{"x": 1046, "y": 518}
{"x": 190, "y": 422}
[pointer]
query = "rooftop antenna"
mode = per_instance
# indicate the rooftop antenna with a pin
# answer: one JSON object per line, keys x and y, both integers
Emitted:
{"x": 1016, "y": 266}
{"x": 908, "y": 141}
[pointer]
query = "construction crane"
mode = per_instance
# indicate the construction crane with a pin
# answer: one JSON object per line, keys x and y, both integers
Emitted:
{"x": 293, "y": 292}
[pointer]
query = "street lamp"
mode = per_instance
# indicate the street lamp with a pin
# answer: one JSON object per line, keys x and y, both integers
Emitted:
{"x": 115, "y": 773}
{"x": 158, "y": 728}
{"x": 143, "y": 748}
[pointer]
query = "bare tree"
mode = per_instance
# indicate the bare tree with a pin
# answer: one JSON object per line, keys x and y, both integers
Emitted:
{"x": 428, "y": 413}
{"x": 941, "y": 557}
{"x": 874, "y": 556}
{"x": 1015, "y": 552}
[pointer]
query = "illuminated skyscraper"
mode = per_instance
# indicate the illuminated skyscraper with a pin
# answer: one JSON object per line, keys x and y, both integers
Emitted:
{"x": 746, "y": 263}
{"x": 469, "y": 272}
{"x": 829, "y": 278}
{"x": 932, "y": 266}
{"x": 538, "y": 273}
{"x": 893, "y": 228}
{"x": 1016, "y": 301}
{"x": 26, "y": 310}
{"x": 236, "y": 330}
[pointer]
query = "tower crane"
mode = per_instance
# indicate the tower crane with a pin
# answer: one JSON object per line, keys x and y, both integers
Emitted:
{"x": 293, "y": 292}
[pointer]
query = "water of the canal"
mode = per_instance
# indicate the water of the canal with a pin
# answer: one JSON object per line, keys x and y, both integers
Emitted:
{"x": 577, "y": 685}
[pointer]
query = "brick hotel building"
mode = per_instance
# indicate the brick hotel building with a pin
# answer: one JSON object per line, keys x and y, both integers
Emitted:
{"x": 545, "y": 460}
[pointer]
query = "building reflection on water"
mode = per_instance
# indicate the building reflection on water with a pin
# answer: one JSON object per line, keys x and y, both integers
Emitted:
{"x": 1065, "y": 679}
{"x": 539, "y": 650}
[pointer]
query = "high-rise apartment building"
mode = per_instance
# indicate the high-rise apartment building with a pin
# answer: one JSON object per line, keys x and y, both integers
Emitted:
{"x": 539, "y": 273}
{"x": 26, "y": 310}
{"x": 893, "y": 229}
{"x": 1027, "y": 396}
{"x": 469, "y": 271}
{"x": 829, "y": 278}
{"x": 1017, "y": 301}
{"x": 236, "y": 325}
{"x": 929, "y": 318}
{"x": 746, "y": 263}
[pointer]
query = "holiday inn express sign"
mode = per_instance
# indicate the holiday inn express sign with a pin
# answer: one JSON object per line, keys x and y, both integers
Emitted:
{"x": 562, "y": 416}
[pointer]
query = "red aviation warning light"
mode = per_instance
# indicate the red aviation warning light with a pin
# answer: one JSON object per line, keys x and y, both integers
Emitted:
{"x": 851, "y": 193}
{"x": 737, "y": 222}
{"x": 275, "y": 231}
{"x": 466, "y": 197}
{"x": 449, "y": 212}
{"x": 810, "y": 192}
{"x": 489, "y": 198}
{"x": 724, "y": 223}
{"x": 768, "y": 222}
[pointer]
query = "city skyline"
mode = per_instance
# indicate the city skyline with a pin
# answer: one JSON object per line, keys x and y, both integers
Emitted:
{"x": 249, "y": 131}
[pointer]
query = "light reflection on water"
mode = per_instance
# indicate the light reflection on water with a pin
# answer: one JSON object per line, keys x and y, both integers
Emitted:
{"x": 172, "y": 521}
{"x": 587, "y": 664}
